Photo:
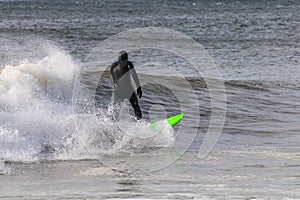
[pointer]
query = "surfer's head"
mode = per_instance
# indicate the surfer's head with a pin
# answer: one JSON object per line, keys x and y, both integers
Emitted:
{"x": 123, "y": 55}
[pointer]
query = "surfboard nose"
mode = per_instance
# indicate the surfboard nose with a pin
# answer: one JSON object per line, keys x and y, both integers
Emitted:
{"x": 172, "y": 120}
{"x": 175, "y": 120}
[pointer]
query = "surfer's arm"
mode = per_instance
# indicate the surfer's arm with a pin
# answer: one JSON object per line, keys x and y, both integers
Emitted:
{"x": 112, "y": 66}
{"x": 134, "y": 75}
{"x": 135, "y": 78}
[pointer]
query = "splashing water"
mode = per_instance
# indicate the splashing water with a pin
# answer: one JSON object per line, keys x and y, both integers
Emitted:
{"x": 37, "y": 118}
{"x": 35, "y": 105}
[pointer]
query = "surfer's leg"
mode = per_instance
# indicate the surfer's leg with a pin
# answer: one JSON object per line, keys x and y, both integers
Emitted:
{"x": 135, "y": 105}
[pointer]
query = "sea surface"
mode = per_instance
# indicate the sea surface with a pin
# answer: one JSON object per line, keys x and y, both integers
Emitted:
{"x": 57, "y": 136}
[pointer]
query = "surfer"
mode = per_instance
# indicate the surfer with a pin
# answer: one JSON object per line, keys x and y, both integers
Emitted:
{"x": 123, "y": 72}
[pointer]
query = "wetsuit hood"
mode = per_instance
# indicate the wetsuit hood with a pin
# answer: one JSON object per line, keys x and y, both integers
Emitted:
{"x": 123, "y": 55}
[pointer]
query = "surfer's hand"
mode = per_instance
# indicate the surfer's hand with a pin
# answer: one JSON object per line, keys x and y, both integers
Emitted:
{"x": 139, "y": 92}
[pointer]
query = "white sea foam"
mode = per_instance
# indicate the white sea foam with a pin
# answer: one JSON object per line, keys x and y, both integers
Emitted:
{"x": 35, "y": 105}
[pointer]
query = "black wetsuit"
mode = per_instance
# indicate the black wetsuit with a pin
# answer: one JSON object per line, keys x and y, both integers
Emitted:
{"x": 123, "y": 72}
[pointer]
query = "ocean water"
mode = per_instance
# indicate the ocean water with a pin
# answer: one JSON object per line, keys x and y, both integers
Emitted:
{"x": 57, "y": 142}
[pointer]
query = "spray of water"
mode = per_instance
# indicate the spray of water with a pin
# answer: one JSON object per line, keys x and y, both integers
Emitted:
{"x": 37, "y": 119}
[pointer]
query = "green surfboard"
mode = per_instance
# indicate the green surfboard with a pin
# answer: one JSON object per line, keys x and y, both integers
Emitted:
{"x": 172, "y": 120}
